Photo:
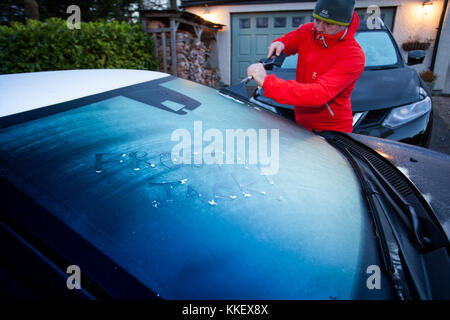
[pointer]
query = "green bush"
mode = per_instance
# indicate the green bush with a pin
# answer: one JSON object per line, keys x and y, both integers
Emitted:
{"x": 51, "y": 45}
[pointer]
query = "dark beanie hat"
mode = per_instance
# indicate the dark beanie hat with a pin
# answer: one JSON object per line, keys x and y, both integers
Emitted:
{"x": 335, "y": 11}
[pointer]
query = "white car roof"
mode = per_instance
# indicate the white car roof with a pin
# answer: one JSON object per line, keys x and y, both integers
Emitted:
{"x": 26, "y": 91}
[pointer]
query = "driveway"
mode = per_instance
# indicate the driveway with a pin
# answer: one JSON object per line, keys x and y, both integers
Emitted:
{"x": 440, "y": 137}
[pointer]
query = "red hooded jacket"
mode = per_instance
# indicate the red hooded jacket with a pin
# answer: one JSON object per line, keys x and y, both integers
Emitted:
{"x": 327, "y": 69}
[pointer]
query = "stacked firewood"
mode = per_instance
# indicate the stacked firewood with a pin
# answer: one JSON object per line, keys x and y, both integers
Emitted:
{"x": 192, "y": 59}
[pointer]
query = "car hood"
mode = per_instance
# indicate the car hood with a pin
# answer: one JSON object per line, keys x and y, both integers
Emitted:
{"x": 380, "y": 89}
{"x": 374, "y": 90}
{"x": 426, "y": 169}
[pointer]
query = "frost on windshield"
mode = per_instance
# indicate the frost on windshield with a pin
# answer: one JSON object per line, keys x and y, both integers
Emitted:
{"x": 378, "y": 48}
{"x": 290, "y": 62}
{"x": 197, "y": 231}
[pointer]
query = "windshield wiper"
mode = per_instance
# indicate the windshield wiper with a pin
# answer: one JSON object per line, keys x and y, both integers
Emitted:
{"x": 418, "y": 256}
{"x": 404, "y": 208}
{"x": 426, "y": 233}
{"x": 381, "y": 67}
{"x": 390, "y": 250}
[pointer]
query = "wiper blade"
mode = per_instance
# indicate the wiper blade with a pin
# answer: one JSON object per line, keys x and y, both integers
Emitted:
{"x": 422, "y": 241}
{"x": 419, "y": 264}
{"x": 390, "y": 249}
{"x": 381, "y": 67}
{"x": 415, "y": 214}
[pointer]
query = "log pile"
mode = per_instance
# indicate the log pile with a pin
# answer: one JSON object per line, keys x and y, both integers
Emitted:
{"x": 192, "y": 59}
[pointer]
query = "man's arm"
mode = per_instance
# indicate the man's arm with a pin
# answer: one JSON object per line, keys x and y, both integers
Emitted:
{"x": 324, "y": 89}
{"x": 290, "y": 42}
{"x": 287, "y": 43}
{"x": 275, "y": 48}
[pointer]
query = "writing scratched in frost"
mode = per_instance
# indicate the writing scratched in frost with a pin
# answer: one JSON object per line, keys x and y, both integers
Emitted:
{"x": 172, "y": 183}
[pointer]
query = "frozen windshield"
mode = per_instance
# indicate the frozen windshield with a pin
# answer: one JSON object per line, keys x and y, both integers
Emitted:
{"x": 378, "y": 48}
{"x": 290, "y": 62}
{"x": 194, "y": 231}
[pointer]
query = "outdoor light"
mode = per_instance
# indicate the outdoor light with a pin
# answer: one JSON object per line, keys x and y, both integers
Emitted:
{"x": 206, "y": 13}
{"x": 426, "y": 5}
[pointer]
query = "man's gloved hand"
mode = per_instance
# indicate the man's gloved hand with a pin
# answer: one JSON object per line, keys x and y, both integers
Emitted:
{"x": 258, "y": 73}
{"x": 275, "y": 48}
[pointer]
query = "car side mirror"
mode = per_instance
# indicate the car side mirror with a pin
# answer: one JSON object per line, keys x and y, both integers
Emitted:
{"x": 415, "y": 57}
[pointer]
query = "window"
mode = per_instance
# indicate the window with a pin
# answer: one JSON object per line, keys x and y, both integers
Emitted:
{"x": 290, "y": 62}
{"x": 279, "y": 22}
{"x": 262, "y": 22}
{"x": 297, "y": 21}
{"x": 378, "y": 48}
{"x": 244, "y": 23}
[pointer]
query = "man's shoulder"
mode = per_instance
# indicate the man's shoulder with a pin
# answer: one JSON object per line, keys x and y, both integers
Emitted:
{"x": 352, "y": 47}
{"x": 303, "y": 31}
{"x": 298, "y": 36}
{"x": 306, "y": 27}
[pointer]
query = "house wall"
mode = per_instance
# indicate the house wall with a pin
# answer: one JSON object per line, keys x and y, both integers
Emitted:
{"x": 411, "y": 22}
{"x": 442, "y": 65}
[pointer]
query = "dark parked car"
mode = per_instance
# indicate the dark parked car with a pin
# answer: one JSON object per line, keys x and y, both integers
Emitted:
{"x": 121, "y": 177}
{"x": 390, "y": 100}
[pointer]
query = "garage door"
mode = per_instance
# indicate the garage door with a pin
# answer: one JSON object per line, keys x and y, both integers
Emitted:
{"x": 251, "y": 34}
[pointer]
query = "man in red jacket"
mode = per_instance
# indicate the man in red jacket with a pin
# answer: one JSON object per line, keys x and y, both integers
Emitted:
{"x": 329, "y": 63}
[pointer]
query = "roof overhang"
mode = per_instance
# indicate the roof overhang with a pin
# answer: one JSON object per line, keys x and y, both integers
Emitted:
{"x": 183, "y": 16}
{"x": 194, "y": 3}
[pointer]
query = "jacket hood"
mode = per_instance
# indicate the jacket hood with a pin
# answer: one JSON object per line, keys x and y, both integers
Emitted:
{"x": 326, "y": 40}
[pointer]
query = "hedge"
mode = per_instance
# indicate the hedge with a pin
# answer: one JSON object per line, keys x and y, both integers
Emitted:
{"x": 51, "y": 45}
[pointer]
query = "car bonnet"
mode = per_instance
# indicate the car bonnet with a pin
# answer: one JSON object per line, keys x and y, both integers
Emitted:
{"x": 381, "y": 89}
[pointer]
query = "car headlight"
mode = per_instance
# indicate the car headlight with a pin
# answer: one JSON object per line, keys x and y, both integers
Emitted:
{"x": 401, "y": 115}
{"x": 422, "y": 93}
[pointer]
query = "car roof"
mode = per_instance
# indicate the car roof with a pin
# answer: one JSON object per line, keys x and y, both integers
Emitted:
{"x": 26, "y": 91}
